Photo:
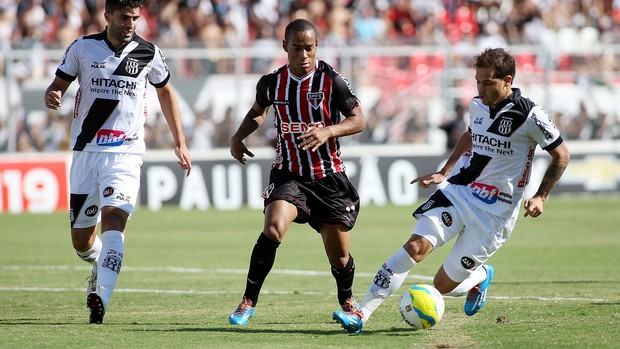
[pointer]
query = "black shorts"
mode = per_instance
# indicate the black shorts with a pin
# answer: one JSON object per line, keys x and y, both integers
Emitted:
{"x": 331, "y": 200}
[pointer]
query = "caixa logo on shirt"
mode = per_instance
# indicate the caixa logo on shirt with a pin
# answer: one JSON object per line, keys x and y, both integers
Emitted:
{"x": 110, "y": 138}
{"x": 486, "y": 193}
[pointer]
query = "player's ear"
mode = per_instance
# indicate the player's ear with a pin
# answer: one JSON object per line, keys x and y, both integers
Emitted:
{"x": 284, "y": 46}
{"x": 107, "y": 17}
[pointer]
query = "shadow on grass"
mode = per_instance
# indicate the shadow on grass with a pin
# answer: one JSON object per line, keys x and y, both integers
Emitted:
{"x": 169, "y": 328}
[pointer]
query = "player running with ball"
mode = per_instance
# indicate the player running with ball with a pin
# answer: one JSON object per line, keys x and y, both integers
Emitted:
{"x": 480, "y": 203}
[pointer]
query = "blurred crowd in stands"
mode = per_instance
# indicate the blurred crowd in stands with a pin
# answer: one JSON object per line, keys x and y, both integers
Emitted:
{"x": 465, "y": 26}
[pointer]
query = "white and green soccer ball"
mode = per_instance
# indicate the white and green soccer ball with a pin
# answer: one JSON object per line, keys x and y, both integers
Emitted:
{"x": 422, "y": 306}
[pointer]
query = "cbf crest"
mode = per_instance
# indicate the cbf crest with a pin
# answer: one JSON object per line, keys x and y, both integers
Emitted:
{"x": 315, "y": 99}
{"x": 132, "y": 66}
{"x": 505, "y": 126}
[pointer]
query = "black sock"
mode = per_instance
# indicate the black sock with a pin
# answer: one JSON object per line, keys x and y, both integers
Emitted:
{"x": 344, "y": 280}
{"x": 263, "y": 256}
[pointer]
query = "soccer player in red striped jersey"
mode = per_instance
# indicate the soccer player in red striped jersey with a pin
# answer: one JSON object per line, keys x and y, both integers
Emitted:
{"x": 313, "y": 106}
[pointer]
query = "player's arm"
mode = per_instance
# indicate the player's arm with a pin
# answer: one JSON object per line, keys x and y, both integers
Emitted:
{"x": 314, "y": 137}
{"x": 170, "y": 109}
{"x": 463, "y": 145}
{"x": 54, "y": 92}
{"x": 253, "y": 119}
{"x": 560, "y": 158}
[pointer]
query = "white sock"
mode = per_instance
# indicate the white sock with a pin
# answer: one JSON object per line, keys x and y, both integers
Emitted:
{"x": 387, "y": 281}
{"x": 474, "y": 279}
{"x": 110, "y": 263}
{"x": 92, "y": 254}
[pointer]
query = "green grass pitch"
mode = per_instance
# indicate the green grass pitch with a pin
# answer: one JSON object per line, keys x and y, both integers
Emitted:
{"x": 556, "y": 285}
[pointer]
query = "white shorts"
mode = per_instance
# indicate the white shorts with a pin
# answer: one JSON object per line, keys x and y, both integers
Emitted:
{"x": 447, "y": 214}
{"x": 102, "y": 179}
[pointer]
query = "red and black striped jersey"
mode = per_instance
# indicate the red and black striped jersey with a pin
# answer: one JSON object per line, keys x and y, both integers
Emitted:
{"x": 317, "y": 99}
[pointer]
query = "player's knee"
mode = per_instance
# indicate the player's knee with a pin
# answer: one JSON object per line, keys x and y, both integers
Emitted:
{"x": 418, "y": 247}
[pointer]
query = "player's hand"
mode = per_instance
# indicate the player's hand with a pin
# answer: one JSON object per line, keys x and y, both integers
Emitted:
{"x": 52, "y": 99}
{"x": 533, "y": 207}
{"x": 427, "y": 180}
{"x": 185, "y": 161}
{"x": 313, "y": 138}
{"x": 238, "y": 150}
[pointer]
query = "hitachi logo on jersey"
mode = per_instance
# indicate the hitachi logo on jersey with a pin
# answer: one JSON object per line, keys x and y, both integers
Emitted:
{"x": 486, "y": 193}
{"x": 110, "y": 138}
{"x": 103, "y": 82}
{"x": 494, "y": 142}
{"x": 299, "y": 127}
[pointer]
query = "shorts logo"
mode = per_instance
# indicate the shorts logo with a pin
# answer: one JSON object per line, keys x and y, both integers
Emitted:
{"x": 108, "y": 191}
{"x": 91, "y": 211}
{"x": 485, "y": 193}
{"x": 113, "y": 261}
{"x": 71, "y": 216}
{"x": 428, "y": 205}
{"x": 110, "y": 138}
{"x": 315, "y": 99}
{"x": 267, "y": 192}
{"x": 122, "y": 197}
{"x": 467, "y": 263}
{"x": 446, "y": 218}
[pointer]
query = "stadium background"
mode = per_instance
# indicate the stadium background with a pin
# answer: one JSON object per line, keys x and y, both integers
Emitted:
{"x": 409, "y": 62}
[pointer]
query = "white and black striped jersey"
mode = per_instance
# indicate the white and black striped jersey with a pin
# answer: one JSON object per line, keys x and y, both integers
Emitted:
{"x": 504, "y": 142}
{"x": 110, "y": 105}
{"x": 316, "y": 99}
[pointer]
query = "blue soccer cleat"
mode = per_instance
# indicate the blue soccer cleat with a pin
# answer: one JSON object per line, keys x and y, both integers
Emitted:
{"x": 243, "y": 313}
{"x": 477, "y": 296}
{"x": 350, "y": 321}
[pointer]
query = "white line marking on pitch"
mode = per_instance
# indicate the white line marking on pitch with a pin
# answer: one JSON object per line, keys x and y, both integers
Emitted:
{"x": 225, "y": 271}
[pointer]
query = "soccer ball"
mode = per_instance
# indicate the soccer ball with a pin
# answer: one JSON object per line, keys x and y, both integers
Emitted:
{"x": 422, "y": 306}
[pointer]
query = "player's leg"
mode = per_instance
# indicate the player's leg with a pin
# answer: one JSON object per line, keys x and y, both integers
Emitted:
{"x": 87, "y": 245}
{"x": 466, "y": 264}
{"x": 279, "y": 214}
{"x": 84, "y": 206}
{"x": 336, "y": 240}
{"x": 119, "y": 183}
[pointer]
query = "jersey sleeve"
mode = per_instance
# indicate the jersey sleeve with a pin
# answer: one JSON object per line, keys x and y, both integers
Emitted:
{"x": 159, "y": 74}
{"x": 346, "y": 99}
{"x": 542, "y": 129}
{"x": 69, "y": 65}
{"x": 263, "y": 89}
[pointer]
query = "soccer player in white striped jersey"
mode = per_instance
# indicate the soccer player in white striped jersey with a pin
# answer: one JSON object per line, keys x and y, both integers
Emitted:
{"x": 480, "y": 204}
{"x": 107, "y": 138}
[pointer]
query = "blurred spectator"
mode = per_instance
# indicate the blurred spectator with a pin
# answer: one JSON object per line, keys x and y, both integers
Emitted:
{"x": 455, "y": 126}
{"x": 562, "y": 30}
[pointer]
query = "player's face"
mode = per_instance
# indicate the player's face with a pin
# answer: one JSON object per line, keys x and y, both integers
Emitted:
{"x": 492, "y": 90}
{"x": 301, "y": 48}
{"x": 122, "y": 25}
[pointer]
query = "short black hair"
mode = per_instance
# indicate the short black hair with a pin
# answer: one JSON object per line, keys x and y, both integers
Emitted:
{"x": 497, "y": 58}
{"x": 299, "y": 25}
{"x": 112, "y": 6}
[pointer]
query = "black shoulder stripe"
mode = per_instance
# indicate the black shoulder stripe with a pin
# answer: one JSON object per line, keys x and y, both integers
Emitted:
{"x": 133, "y": 64}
